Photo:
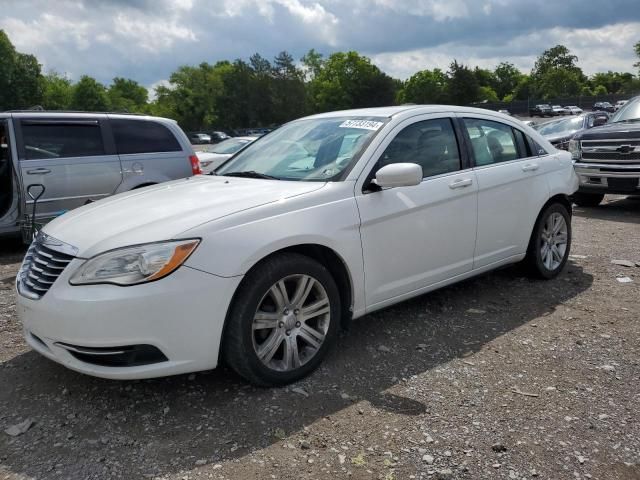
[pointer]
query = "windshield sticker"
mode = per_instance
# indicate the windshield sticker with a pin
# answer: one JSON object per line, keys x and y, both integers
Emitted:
{"x": 364, "y": 124}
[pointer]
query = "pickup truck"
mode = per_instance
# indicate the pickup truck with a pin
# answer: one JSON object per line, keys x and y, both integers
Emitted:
{"x": 607, "y": 158}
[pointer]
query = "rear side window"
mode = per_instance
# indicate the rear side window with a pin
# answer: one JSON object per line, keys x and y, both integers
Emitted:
{"x": 42, "y": 140}
{"x": 492, "y": 142}
{"x": 140, "y": 136}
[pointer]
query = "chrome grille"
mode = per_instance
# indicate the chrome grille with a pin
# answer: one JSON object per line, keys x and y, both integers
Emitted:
{"x": 41, "y": 267}
{"x": 611, "y": 151}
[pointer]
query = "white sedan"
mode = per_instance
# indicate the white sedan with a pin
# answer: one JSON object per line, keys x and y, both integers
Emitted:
{"x": 216, "y": 155}
{"x": 326, "y": 219}
{"x": 573, "y": 110}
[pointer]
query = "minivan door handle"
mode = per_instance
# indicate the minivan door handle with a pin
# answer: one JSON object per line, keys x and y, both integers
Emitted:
{"x": 38, "y": 171}
{"x": 530, "y": 167}
{"x": 463, "y": 182}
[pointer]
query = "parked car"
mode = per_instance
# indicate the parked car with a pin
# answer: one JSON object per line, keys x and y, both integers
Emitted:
{"x": 218, "y": 136}
{"x": 199, "y": 138}
{"x": 261, "y": 264}
{"x": 213, "y": 157}
{"x": 619, "y": 104}
{"x": 559, "y": 110}
{"x": 542, "y": 110}
{"x": 560, "y": 132}
{"x": 573, "y": 110}
{"x": 529, "y": 123}
{"x": 83, "y": 157}
{"x": 607, "y": 158}
{"x": 603, "y": 107}
{"x": 504, "y": 112}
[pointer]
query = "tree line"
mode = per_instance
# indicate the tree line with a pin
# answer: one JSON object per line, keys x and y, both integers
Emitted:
{"x": 260, "y": 92}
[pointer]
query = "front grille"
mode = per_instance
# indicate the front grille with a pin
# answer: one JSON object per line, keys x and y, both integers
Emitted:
{"x": 41, "y": 267}
{"x": 611, "y": 156}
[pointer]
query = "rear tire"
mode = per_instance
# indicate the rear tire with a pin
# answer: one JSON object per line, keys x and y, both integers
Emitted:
{"x": 587, "y": 199}
{"x": 550, "y": 242}
{"x": 284, "y": 319}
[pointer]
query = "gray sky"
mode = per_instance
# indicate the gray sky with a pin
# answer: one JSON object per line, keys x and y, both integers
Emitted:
{"x": 148, "y": 39}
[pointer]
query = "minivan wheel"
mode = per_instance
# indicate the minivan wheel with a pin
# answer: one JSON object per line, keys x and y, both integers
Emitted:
{"x": 283, "y": 320}
{"x": 550, "y": 242}
{"x": 587, "y": 199}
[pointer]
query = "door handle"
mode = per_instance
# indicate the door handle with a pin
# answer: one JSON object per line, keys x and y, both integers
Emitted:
{"x": 530, "y": 167}
{"x": 38, "y": 171}
{"x": 463, "y": 182}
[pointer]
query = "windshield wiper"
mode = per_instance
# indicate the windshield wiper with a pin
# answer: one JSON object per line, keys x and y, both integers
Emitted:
{"x": 250, "y": 174}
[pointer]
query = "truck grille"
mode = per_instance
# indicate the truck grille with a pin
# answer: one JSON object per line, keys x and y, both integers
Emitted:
{"x": 41, "y": 267}
{"x": 611, "y": 151}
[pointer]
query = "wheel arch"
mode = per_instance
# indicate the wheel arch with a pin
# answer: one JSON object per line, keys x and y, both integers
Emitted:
{"x": 326, "y": 256}
{"x": 560, "y": 198}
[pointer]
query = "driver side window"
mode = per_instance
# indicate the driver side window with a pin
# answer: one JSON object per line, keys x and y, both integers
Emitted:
{"x": 432, "y": 144}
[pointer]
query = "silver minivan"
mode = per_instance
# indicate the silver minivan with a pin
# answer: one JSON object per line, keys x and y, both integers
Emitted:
{"x": 83, "y": 157}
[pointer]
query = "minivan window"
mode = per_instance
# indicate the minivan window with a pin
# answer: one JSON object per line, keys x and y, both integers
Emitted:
{"x": 51, "y": 140}
{"x": 141, "y": 136}
{"x": 431, "y": 144}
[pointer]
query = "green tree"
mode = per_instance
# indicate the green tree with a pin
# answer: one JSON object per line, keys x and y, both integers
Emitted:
{"x": 507, "y": 77}
{"x": 426, "y": 86}
{"x": 636, "y": 49}
{"x": 127, "y": 95}
{"x": 21, "y": 81}
{"x": 586, "y": 91}
{"x": 463, "y": 85}
{"x": 288, "y": 89}
{"x": 58, "y": 92}
{"x": 487, "y": 94}
{"x": 349, "y": 80}
{"x": 484, "y": 77}
{"x": 313, "y": 63}
{"x": 556, "y": 73}
{"x": 600, "y": 90}
{"x": 89, "y": 95}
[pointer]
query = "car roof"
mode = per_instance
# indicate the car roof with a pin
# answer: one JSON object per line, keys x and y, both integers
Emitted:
{"x": 66, "y": 114}
{"x": 390, "y": 112}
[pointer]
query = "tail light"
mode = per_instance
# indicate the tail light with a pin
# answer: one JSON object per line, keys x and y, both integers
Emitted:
{"x": 195, "y": 165}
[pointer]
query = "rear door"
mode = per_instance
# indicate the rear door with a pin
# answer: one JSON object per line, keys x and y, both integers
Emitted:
{"x": 511, "y": 188}
{"x": 150, "y": 151}
{"x": 73, "y": 158}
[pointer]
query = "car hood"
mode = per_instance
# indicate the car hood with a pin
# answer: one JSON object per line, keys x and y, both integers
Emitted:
{"x": 165, "y": 211}
{"x": 612, "y": 131}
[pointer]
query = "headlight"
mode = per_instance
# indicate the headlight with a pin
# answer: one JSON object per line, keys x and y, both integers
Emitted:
{"x": 136, "y": 264}
{"x": 574, "y": 148}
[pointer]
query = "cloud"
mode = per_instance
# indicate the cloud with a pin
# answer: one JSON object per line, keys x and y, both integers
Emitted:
{"x": 148, "y": 39}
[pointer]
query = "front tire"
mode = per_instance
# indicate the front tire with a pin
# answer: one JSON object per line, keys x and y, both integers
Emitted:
{"x": 588, "y": 199}
{"x": 283, "y": 320}
{"x": 550, "y": 242}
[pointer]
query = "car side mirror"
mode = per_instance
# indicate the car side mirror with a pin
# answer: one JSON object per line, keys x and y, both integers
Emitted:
{"x": 398, "y": 175}
{"x": 599, "y": 121}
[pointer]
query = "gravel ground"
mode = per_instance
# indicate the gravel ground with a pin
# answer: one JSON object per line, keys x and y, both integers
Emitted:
{"x": 497, "y": 377}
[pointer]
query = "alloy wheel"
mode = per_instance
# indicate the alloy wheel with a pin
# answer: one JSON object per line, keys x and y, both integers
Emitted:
{"x": 291, "y": 322}
{"x": 554, "y": 239}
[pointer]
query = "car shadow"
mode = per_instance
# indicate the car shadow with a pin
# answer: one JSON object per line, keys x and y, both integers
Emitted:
{"x": 83, "y": 425}
{"x": 613, "y": 209}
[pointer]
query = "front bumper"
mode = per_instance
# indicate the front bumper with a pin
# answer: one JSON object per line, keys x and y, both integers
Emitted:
{"x": 608, "y": 178}
{"x": 180, "y": 316}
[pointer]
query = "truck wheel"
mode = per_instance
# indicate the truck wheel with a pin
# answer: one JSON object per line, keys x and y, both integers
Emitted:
{"x": 550, "y": 242}
{"x": 283, "y": 320}
{"x": 587, "y": 199}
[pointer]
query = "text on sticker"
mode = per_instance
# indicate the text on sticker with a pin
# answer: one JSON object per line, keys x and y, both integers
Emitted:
{"x": 366, "y": 124}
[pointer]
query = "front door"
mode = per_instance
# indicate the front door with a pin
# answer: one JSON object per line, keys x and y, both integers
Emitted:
{"x": 73, "y": 159}
{"x": 415, "y": 237}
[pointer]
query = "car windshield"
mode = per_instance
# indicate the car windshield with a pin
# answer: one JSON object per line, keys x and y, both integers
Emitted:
{"x": 630, "y": 112}
{"x": 316, "y": 149}
{"x": 568, "y": 125}
{"x": 229, "y": 146}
